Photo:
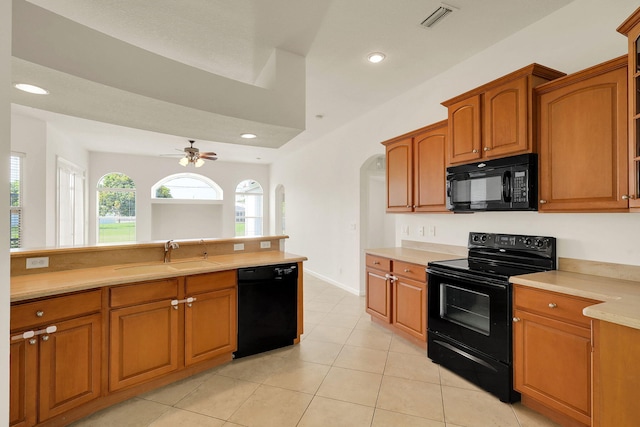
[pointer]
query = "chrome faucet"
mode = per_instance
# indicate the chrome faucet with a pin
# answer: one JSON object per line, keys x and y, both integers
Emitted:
{"x": 168, "y": 247}
{"x": 205, "y": 254}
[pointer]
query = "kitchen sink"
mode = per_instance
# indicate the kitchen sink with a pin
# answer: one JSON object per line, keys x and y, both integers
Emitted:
{"x": 185, "y": 265}
{"x": 166, "y": 268}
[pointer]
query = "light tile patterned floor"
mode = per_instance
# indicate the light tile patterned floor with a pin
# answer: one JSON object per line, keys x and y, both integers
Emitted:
{"x": 347, "y": 371}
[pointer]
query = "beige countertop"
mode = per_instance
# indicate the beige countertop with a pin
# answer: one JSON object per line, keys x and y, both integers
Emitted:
{"x": 621, "y": 298}
{"x": 415, "y": 256}
{"x": 47, "y": 284}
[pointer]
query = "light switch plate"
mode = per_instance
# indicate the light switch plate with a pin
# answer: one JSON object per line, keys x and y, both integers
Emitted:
{"x": 265, "y": 245}
{"x": 238, "y": 246}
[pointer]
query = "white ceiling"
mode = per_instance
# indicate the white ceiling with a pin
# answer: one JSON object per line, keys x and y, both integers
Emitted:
{"x": 123, "y": 73}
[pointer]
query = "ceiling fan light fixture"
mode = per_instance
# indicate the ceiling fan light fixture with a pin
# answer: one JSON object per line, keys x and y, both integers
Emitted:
{"x": 184, "y": 161}
{"x": 199, "y": 162}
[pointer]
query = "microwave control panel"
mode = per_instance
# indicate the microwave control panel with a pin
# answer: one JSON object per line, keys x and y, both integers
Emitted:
{"x": 520, "y": 187}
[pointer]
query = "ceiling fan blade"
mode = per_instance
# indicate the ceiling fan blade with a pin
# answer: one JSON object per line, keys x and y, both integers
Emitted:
{"x": 209, "y": 156}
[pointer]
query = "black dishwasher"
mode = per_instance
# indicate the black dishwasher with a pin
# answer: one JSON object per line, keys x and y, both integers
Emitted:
{"x": 267, "y": 308}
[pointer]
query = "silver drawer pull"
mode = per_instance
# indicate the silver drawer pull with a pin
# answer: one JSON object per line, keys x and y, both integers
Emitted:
{"x": 39, "y": 313}
{"x": 376, "y": 262}
{"x": 516, "y": 319}
{"x": 552, "y": 305}
{"x": 406, "y": 270}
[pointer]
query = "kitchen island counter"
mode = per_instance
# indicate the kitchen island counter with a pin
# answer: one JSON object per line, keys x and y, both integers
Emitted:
{"x": 53, "y": 283}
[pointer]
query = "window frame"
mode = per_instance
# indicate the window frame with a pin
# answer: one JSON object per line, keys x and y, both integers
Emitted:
{"x": 100, "y": 189}
{"x": 245, "y": 217}
{"x": 17, "y": 210}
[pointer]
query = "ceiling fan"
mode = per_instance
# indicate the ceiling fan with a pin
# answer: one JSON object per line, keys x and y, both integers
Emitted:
{"x": 193, "y": 155}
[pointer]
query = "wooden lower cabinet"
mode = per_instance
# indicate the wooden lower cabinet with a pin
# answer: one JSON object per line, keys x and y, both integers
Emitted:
{"x": 616, "y": 375}
{"x": 410, "y": 307}
{"x": 210, "y": 320}
{"x": 56, "y": 371}
{"x": 143, "y": 343}
{"x": 397, "y": 295}
{"x": 552, "y": 354}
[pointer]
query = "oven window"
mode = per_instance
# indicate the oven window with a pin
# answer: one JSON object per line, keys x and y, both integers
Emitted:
{"x": 465, "y": 307}
{"x": 484, "y": 189}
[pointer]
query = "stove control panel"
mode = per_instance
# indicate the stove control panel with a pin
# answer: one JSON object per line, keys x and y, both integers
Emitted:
{"x": 512, "y": 241}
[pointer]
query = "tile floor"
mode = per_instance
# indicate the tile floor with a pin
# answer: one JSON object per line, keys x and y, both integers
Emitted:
{"x": 346, "y": 371}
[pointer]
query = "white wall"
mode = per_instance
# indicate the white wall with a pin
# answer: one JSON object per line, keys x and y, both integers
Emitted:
{"x": 5, "y": 148}
{"x": 322, "y": 179}
{"x": 147, "y": 171}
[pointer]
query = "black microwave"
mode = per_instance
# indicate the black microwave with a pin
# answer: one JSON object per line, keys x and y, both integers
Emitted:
{"x": 505, "y": 184}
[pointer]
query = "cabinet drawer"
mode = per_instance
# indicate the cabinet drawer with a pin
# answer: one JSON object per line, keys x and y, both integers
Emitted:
{"x": 553, "y": 304}
{"x": 211, "y": 282}
{"x": 53, "y": 309}
{"x": 378, "y": 262}
{"x": 143, "y": 292}
{"x": 411, "y": 271}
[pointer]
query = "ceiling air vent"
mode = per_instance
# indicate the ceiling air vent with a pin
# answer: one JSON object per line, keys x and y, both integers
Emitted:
{"x": 437, "y": 16}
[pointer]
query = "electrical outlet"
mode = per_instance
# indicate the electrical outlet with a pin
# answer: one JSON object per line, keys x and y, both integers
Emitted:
{"x": 265, "y": 245}
{"x": 238, "y": 246}
{"x": 405, "y": 229}
{"x": 39, "y": 262}
{"x": 432, "y": 230}
{"x": 421, "y": 231}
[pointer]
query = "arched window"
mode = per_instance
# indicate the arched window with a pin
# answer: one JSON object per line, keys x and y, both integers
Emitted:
{"x": 249, "y": 208}
{"x": 186, "y": 186}
{"x": 116, "y": 208}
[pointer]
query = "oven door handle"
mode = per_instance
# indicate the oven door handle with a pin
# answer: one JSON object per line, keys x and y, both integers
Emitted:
{"x": 486, "y": 281}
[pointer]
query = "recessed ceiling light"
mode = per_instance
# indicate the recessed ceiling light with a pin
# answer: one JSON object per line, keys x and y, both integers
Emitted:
{"x": 248, "y": 135}
{"x": 31, "y": 88}
{"x": 376, "y": 57}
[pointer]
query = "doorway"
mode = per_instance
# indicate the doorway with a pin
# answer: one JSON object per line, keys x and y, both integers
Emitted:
{"x": 377, "y": 229}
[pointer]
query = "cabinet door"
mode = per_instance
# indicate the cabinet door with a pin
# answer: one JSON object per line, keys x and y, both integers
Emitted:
{"x": 429, "y": 187}
{"x": 410, "y": 307}
{"x": 23, "y": 382}
{"x": 143, "y": 343}
{"x": 210, "y": 325}
{"x": 464, "y": 131}
{"x": 378, "y": 295}
{"x": 70, "y": 365}
{"x": 399, "y": 176}
{"x": 583, "y": 145}
{"x": 552, "y": 364}
{"x": 505, "y": 119}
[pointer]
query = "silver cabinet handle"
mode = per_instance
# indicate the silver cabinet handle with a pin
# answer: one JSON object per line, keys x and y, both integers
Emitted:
{"x": 552, "y": 305}
{"x": 39, "y": 313}
{"x": 45, "y": 338}
{"x": 32, "y": 341}
{"x": 625, "y": 197}
{"x": 542, "y": 201}
{"x": 474, "y": 151}
{"x": 487, "y": 148}
{"x": 516, "y": 319}
{"x": 406, "y": 270}
{"x": 376, "y": 262}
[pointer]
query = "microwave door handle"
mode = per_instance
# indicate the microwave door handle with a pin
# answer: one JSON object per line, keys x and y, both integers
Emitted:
{"x": 506, "y": 186}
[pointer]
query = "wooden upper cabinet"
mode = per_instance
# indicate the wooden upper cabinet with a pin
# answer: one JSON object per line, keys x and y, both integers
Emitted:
{"x": 416, "y": 170}
{"x": 583, "y": 140}
{"x": 496, "y": 119}
{"x": 429, "y": 183}
{"x": 505, "y": 119}
{"x": 400, "y": 175}
{"x": 464, "y": 131}
{"x": 631, "y": 29}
